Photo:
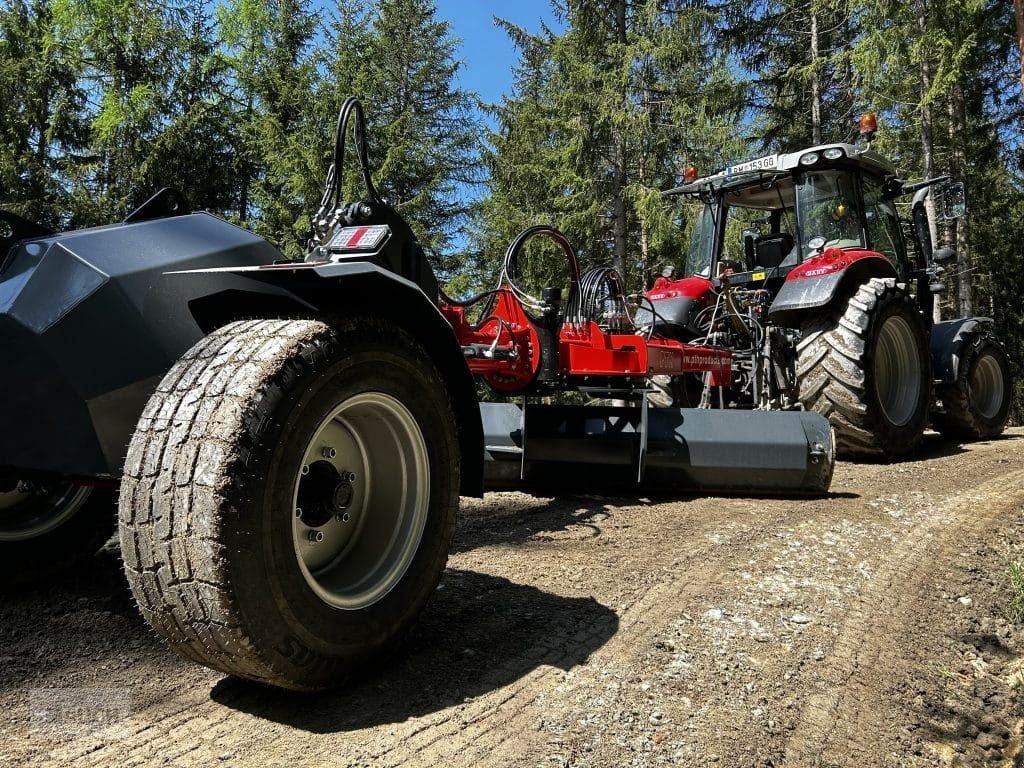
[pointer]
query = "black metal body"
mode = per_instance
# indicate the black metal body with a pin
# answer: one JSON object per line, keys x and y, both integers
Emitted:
{"x": 90, "y": 321}
{"x": 730, "y": 450}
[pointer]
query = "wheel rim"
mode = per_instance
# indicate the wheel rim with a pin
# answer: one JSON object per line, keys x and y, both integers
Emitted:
{"x": 897, "y": 371}
{"x": 31, "y": 509}
{"x": 987, "y": 387}
{"x": 361, "y": 500}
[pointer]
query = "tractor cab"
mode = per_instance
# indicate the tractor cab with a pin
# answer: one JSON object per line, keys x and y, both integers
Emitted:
{"x": 756, "y": 221}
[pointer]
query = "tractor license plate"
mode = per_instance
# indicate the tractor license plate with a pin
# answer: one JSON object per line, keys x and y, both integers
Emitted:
{"x": 766, "y": 163}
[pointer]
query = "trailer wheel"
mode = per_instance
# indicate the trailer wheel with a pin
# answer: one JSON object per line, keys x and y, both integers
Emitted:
{"x": 289, "y": 498}
{"x": 867, "y": 369}
{"x": 50, "y": 525}
{"x": 977, "y": 404}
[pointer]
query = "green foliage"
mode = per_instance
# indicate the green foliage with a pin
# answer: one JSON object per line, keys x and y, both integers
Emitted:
{"x": 42, "y": 121}
{"x": 1015, "y": 612}
{"x": 234, "y": 104}
{"x": 602, "y": 118}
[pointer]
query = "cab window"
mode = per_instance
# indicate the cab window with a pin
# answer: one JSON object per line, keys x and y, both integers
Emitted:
{"x": 883, "y": 223}
{"x": 827, "y": 207}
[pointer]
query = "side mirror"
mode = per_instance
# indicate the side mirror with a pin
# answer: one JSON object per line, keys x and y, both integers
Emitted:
{"x": 892, "y": 188}
{"x": 942, "y": 255}
{"x": 954, "y": 200}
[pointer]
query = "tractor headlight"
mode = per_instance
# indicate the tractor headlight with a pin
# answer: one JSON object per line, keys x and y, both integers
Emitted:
{"x": 833, "y": 153}
{"x": 809, "y": 159}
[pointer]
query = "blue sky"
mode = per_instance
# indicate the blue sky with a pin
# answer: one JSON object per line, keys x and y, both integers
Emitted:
{"x": 487, "y": 54}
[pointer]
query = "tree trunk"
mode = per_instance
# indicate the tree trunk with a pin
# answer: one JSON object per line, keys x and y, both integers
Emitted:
{"x": 927, "y": 144}
{"x": 1018, "y": 7}
{"x": 815, "y": 80}
{"x": 619, "y": 159}
{"x": 957, "y": 116}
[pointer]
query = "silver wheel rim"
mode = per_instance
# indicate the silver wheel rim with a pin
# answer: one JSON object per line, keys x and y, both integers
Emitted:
{"x": 32, "y": 510}
{"x": 987, "y": 387}
{"x": 355, "y": 539}
{"x": 897, "y": 371}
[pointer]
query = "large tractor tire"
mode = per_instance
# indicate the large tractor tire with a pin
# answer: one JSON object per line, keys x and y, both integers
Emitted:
{"x": 977, "y": 404}
{"x": 49, "y": 526}
{"x": 289, "y": 498}
{"x": 866, "y": 367}
{"x": 683, "y": 391}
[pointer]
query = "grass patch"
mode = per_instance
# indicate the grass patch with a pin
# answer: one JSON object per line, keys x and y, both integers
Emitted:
{"x": 1016, "y": 610}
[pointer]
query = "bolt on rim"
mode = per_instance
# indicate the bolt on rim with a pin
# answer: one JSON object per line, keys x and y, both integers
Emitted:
{"x": 897, "y": 371}
{"x": 360, "y": 500}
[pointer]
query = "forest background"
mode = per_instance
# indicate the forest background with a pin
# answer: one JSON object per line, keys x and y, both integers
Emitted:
{"x": 103, "y": 102}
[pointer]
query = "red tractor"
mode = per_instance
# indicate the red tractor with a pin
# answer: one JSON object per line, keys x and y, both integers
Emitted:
{"x": 801, "y": 265}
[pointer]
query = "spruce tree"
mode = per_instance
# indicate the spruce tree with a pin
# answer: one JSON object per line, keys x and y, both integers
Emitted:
{"x": 424, "y": 131}
{"x": 273, "y": 74}
{"x": 603, "y": 118}
{"x": 42, "y": 113}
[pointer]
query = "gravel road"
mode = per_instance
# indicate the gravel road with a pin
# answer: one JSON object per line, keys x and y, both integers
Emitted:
{"x": 868, "y": 628}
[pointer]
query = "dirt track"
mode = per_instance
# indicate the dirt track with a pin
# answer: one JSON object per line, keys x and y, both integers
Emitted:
{"x": 865, "y": 629}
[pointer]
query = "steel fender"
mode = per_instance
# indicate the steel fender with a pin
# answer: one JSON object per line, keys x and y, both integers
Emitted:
{"x": 948, "y": 338}
{"x": 665, "y": 312}
{"x": 806, "y": 294}
{"x": 803, "y": 292}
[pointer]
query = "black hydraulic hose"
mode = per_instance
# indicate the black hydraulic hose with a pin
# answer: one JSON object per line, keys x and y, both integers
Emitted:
{"x": 511, "y": 262}
{"x": 332, "y": 185}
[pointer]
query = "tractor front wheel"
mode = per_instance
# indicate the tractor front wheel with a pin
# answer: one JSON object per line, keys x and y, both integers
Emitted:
{"x": 977, "y": 404}
{"x": 289, "y": 498}
{"x": 866, "y": 367}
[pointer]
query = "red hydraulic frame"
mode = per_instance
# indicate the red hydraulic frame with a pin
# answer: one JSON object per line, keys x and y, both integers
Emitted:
{"x": 504, "y": 348}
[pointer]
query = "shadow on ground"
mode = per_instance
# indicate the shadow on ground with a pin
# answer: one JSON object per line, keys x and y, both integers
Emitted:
{"x": 528, "y": 517}
{"x": 540, "y": 514}
{"x": 64, "y": 631}
{"x": 979, "y": 717}
{"x": 480, "y": 634}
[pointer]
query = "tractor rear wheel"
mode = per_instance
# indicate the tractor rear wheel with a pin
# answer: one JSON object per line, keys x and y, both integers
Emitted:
{"x": 977, "y": 404}
{"x": 866, "y": 367}
{"x": 289, "y": 498}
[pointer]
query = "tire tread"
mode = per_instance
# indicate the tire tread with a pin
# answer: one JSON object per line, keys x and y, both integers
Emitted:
{"x": 185, "y": 454}
{"x": 830, "y": 369}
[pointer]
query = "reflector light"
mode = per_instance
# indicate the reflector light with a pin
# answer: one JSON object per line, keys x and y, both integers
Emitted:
{"x": 366, "y": 238}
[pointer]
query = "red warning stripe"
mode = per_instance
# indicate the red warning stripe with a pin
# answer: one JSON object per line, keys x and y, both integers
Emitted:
{"x": 353, "y": 241}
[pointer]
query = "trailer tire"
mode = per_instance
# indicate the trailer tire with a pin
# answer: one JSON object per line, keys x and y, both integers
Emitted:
{"x": 52, "y": 530}
{"x": 866, "y": 367}
{"x": 976, "y": 405}
{"x": 257, "y": 418}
